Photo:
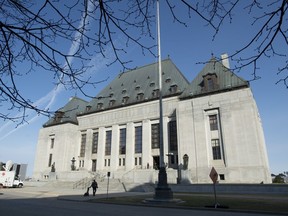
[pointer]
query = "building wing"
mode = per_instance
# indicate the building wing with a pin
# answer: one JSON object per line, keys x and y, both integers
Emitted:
{"x": 214, "y": 78}
{"x": 68, "y": 113}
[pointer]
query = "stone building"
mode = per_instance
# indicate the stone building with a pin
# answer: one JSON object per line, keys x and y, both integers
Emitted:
{"x": 211, "y": 122}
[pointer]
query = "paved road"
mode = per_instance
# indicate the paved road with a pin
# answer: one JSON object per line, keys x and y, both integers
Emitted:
{"x": 46, "y": 203}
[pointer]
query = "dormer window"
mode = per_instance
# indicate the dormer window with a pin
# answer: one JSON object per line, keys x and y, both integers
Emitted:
{"x": 88, "y": 108}
{"x": 173, "y": 88}
{"x": 137, "y": 88}
{"x": 152, "y": 84}
{"x": 140, "y": 96}
{"x": 155, "y": 93}
{"x": 58, "y": 116}
{"x": 168, "y": 80}
{"x": 124, "y": 91}
{"x": 125, "y": 99}
{"x": 111, "y": 102}
{"x": 209, "y": 83}
{"x": 99, "y": 105}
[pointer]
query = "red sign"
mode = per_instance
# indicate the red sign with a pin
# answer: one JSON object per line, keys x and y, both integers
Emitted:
{"x": 213, "y": 175}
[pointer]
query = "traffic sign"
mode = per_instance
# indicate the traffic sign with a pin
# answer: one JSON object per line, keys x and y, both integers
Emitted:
{"x": 213, "y": 175}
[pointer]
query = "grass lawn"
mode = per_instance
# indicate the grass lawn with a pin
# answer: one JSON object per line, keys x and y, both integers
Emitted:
{"x": 244, "y": 202}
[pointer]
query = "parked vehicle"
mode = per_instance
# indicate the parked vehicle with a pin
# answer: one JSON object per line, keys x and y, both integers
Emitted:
{"x": 9, "y": 179}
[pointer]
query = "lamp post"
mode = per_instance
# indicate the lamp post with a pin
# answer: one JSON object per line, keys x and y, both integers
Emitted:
{"x": 73, "y": 164}
{"x": 162, "y": 191}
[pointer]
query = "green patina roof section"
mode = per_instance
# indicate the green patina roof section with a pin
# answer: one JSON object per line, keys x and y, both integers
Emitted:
{"x": 227, "y": 80}
{"x": 68, "y": 112}
{"x": 142, "y": 80}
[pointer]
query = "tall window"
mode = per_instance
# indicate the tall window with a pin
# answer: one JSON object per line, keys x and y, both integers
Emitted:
{"x": 155, "y": 136}
{"x": 52, "y": 143}
{"x": 50, "y": 160}
{"x": 213, "y": 122}
{"x": 138, "y": 139}
{"x": 122, "y": 141}
{"x": 95, "y": 142}
{"x": 108, "y": 142}
{"x": 173, "y": 136}
{"x": 216, "y": 149}
{"x": 83, "y": 144}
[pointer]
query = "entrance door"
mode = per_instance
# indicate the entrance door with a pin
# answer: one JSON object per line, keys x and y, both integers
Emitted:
{"x": 156, "y": 162}
{"x": 94, "y": 165}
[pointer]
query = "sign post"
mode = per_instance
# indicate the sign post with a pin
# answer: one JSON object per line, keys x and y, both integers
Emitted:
{"x": 214, "y": 177}
{"x": 108, "y": 175}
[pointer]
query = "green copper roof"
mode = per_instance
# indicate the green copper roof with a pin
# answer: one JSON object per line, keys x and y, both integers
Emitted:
{"x": 140, "y": 85}
{"x": 68, "y": 113}
{"x": 213, "y": 78}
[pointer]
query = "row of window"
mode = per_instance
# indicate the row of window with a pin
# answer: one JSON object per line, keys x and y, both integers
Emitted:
{"x": 155, "y": 141}
{"x": 155, "y": 138}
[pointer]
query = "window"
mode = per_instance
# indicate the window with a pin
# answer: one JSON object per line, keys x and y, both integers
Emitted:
{"x": 216, "y": 149}
{"x": 135, "y": 161}
{"x": 140, "y": 96}
{"x": 155, "y": 93}
{"x": 138, "y": 139}
{"x": 111, "y": 102}
{"x": 173, "y": 136}
{"x": 122, "y": 141}
{"x": 125, "y": 100}
{"x": 155, "y": 136}
{"x": 99, "y": 105}
{"x": 88, "y": 108}
{"x": 50, "y": 160}
{"x": 209, "y": 83}
{"x": 108, "y": 142}
{"x": 58, "y": 116}
{"x": 95, "y": 142}
{"x": 222, "y": 176}
{"x": 213, "y": 122}
{"x": 52, "y": 143}
{"x": 173, "y": 88}
{"x": 83, "y": 144}
{"x": 137, "y": 88}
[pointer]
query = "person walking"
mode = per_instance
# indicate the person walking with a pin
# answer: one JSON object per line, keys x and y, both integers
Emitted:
{"x": 94, "y": 186}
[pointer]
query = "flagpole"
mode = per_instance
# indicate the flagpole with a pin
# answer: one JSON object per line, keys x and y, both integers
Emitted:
{"x": 162, "y": 191}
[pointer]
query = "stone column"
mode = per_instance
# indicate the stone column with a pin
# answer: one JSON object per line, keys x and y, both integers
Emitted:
{"x": 114, "y": 148}
{"x": 130, "y": 146}
{"x": 146, "y": 145}
{"x": 101, "y": 148}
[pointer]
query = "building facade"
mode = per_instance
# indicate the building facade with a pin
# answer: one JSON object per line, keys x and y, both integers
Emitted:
{"x": 211, "y": 122}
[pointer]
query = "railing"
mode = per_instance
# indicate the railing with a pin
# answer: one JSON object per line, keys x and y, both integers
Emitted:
{"x": 82, "y": 183}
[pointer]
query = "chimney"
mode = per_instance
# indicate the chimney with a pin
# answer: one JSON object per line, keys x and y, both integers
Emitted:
{"x": 225, "y": 60}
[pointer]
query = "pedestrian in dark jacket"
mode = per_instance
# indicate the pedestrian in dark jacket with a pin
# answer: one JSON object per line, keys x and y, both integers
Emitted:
{"x": 94, "y": 186}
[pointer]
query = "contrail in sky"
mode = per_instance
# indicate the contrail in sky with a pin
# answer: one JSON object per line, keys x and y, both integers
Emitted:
{"x": 49, "y": 99}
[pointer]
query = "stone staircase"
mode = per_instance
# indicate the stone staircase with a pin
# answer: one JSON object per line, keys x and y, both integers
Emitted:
{"x": 113, "y": 185}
